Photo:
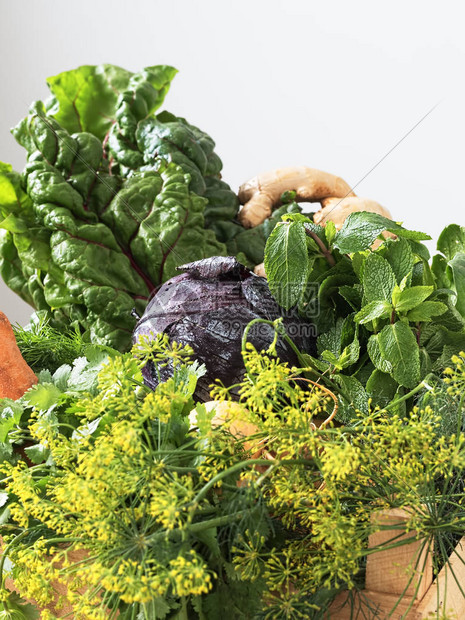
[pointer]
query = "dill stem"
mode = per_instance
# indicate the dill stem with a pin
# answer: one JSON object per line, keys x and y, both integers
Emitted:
{"x": 227, "y": 472}
{"x": 281, "y": 331}
{"x": 420, "y": 386}
{"x": 5, "y": 551}
{"x": 242, "y": 465}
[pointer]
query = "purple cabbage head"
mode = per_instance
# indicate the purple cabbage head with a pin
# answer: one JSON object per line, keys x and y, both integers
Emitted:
{"x": 208, "y": 308}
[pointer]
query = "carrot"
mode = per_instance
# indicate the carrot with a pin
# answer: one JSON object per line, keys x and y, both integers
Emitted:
{"x": 15, "y": 375}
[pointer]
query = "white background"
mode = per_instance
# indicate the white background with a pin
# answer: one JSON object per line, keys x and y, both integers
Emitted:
{"x": 331, "y": 85}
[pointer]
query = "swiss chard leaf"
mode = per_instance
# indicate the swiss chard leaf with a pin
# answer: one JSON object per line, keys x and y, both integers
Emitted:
{"x": 86, "y": 98}
{"x": 105, "y": 222}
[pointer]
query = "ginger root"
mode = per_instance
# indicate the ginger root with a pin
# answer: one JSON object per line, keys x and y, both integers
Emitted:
{"x": 263, "y": 193}
{"x": 16, "y": 377}
{"x": 338, "y": 209}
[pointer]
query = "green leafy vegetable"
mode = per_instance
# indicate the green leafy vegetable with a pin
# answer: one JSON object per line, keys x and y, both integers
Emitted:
{"x": 84, "y": 99}
{"x": 451, "y": 241}
{"x": 412, "y": 297}
{"x": 398, "y": 346}
{"x": 410, "y": 315}
{"x": 374, "y": 310}
{"x": 361, "y": 229}
{"x": 457, "y": 268}
{"x": 378, "y": 279}
{"x": 288, "y": 244}
{"x": 426, "y": 311}
{"x": 114, "y": 197}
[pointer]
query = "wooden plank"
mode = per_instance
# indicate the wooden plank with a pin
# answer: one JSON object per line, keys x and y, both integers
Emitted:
{"x": 445, "y": 595}
{"x": 407, "y": 569}
{"x": 368, "y": 605}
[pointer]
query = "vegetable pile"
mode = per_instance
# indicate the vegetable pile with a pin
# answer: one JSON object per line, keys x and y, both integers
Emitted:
{"x": 337, "y": 382}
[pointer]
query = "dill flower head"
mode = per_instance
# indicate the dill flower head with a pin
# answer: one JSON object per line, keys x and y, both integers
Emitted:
{"x": 172, "y": 517}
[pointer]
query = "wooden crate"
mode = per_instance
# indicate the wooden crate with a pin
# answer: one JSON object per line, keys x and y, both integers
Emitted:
{"x": 398, "y": 585}
{"x": 399, "y": 582}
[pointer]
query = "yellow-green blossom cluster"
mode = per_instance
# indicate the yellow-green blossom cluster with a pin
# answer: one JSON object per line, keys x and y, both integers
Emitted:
{"x": 118, "y": 496}
{"x": 296, "y": 493}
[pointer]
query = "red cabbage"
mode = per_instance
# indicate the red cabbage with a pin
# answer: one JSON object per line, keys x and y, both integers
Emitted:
{"x": 208, "y": 308}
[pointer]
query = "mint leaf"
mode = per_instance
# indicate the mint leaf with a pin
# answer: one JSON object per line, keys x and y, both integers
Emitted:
{"x": 457, "y": 266}
{"x": 342, "y": 347}
{"x": 382, "y": 387}
{"x": 439, "y": 268}
{"x": 286, "y": 263}
{"x": 412, "y": 297}
{"x": 398, "y": 346}
{"x": 376, "y": 357}
{"x": 361, "y": 229}
{"x": 396, "y": 291}
{"x": 350, "y": 354}
{"x": 399, "y": 409}
{"x": 451, "y": 241}
{"x": 352, "y": 295}
{"x": 330, "y": 286}
{"x": 400, "y": 256}
{"x": 355, "y": 392}
{"x": 294, "y": 217}
{"x": 426, "y": 310}
{"x": 422, "y": 274}
{"x": 378, "y": 279}
{"x": 330, "y": 232}
{"x": 331, "y": 339}
{"x": 313, "y": 362}
{"x": 374, "y": 310}
{"x": 328, "y": 356}
{"x": 419, "y": 249}
{"x": 317, "y": 229}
